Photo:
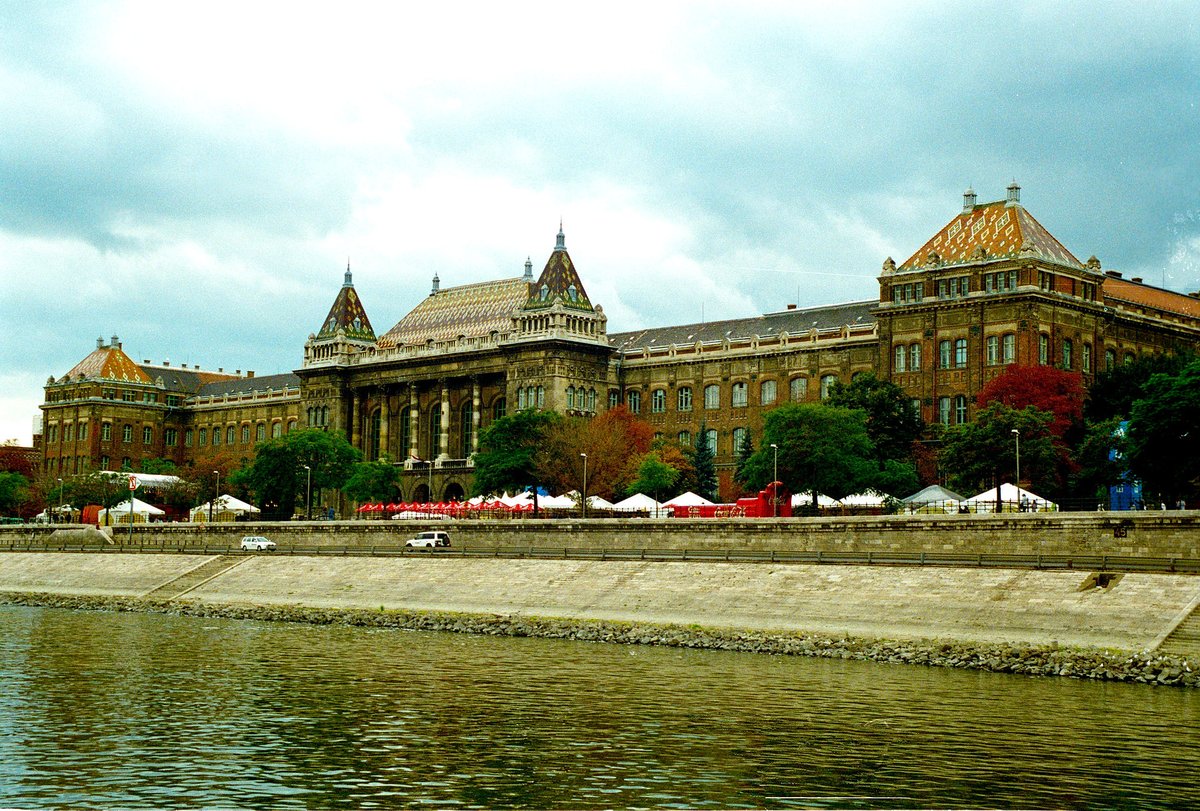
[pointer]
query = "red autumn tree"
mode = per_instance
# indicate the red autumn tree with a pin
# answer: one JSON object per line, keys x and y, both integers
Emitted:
{"x": 1043, "y": 387}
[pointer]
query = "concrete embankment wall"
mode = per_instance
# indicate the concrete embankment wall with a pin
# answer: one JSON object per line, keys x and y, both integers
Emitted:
{"x": 1146, "y": 534}
{"x": 997, "y": 606}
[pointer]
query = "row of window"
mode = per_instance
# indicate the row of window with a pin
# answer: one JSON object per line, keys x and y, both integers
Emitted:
{"x": 231, "y": 434}
{"x": 999, "y": 350}
{"x": 581, "y": 400}
{"x": 739, "y": 395}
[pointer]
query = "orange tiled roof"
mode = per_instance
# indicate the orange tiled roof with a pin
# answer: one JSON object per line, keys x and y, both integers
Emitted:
{"x": 1003, "y": 231}
{"x": 471, "y": 310}
{"x": 1119, "y": 291}
{"x": 109, "y": 363}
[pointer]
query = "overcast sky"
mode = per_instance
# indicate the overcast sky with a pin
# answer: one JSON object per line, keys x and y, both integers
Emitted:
{"x": 193, "y": 178}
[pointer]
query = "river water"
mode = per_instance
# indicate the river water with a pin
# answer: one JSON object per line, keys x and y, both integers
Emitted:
{"x": 149, "y": 711}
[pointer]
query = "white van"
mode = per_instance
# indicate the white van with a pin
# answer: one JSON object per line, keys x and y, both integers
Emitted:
{"x": 432, "y": 538}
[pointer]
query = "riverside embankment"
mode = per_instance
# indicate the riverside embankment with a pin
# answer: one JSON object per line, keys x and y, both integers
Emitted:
{"x": 1120, "y": 626}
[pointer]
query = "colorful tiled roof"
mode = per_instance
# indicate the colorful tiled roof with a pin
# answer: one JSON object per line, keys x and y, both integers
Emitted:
{"x": 109, "y": 363}
{"x": 470, "y": 310}
{"x": 559, "y": 282}
{"x": 793, "y": 322}
{"x": 347, "y": 313}
{"x": 1002, "y": 230}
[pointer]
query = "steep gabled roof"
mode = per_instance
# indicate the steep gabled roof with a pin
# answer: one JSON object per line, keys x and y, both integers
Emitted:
{"x": 793, "y": 322}
{"x": 559, "y": 282}
{"x": 1003, "y": 230}
{"x": 347, "y": 314}
{"x": 470, "y": 310}
{"x": 109, "y": 363}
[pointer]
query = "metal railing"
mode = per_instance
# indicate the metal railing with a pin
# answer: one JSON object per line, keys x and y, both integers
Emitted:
{"x": 984, "y": 560}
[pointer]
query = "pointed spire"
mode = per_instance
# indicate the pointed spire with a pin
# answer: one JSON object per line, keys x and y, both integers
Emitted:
{"x": 347, "y": 282}
{"x": 560, "y": 243}
{"x": 528, "y": 269}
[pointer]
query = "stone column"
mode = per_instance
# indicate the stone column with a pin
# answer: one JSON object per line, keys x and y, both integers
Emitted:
{"x": 414, "y": 421}
{"x": 475, "y": 417}
{"x": 355, "y": 422}
{"x": 444, "y": 432}
{"x": 385, "y": 416}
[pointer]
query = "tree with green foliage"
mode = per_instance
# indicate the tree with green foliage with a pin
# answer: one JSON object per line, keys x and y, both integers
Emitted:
{"x": 654, "y": 476}
{"x": 893, "y": 424}
{"x": 1115, "y": 390}
{"x": 510, "y": 452}
{"x": 1164, "y": 435}
{"x": 164, "y": 467}
{"x": 982, "y": 454}
{"x": 704, "y": 468}
{"x": 372, "y": 481}
{"x": 277, "y": 476}
{"x": 744, "y": 452}
{"x": 826, "y": 450}
{"x": 1099, "y": 461}
{"x": 14, "y": 492}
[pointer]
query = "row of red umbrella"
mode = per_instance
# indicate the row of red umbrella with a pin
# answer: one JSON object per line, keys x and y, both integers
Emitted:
{"x": 442, "y": 507}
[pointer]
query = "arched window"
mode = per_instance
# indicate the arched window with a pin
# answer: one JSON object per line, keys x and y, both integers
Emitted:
{"x": 434, "y": 433}
{"x": 712, "y": 396}
{"x": 1086, "y": 359}
{"x": 276, "y": 430}
{"x": 245, "y": 434}
{"x": 827, "y": 382}
{"x": 900, "y": 364}
{"x": 374, "y": 432}
{"x": 521, "y": 404}
{"x": 658, "y": 401}
{"x": 960, "y": 353}
{"x": 945, "y": 354}
{"x": 127, "y": 434}
{"x": 1008, "y": 348}
{"x": 943, "y": 414}
{"x": 710, "y": 439}
{"x": 466, "y": 421}
{"x": 229, "y": 435}
{"x": 405, "y": 429}
{"x": 960, "y": 409}
{"x": 1110, "y": 360}
{"x": 260, "y": 432}
{"x": 738, "y": 395}
{"x": 1043, "y": 349}
{"x": 992, "y": 349}
{"x": 683, "y": 398}
{"x": 914, "y": 358}
{"x": 570, "y": 398}
{"x": 591, "y": 400}
{"x": 798, "y": 389}
{"x": 739, "y": 440}
{"x": 685, "y": 438}
{"x": 147, "y": 435}
{"x": 1068, "y": 350}
{"x": 766, "y": 392}
{"x": 499, "y": 408}
{"x": 633, "y": 399}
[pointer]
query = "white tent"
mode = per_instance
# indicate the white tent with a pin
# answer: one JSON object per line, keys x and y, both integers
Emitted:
{"x": 933, "y": 499}
{"x": 688, "y": 499}
{"x": 555, "y": 503}
{"x": 1012, "y": 499}
{"x": 805, "y": 500}
{"x": 593, "y": 501}
{"x": 141, "y": 512}
{"x": 868, "y": 499}
{"x": 223, "y": 509}
{"x": 638, "y": 502}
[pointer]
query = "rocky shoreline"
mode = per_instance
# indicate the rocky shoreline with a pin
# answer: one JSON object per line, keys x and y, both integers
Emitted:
{"x": 1043, "y": 660}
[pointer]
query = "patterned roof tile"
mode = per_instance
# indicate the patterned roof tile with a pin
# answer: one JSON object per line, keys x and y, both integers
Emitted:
{"x": 109, "y": 363}
{"x": 1003, "y": 231}
{"x": 347, "y": 313}
{"x": 471, "y": 310}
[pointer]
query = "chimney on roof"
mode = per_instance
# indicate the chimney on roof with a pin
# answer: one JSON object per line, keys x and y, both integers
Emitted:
{"x": 115, "y": 342}
{"x": 1014, "y": 194}
{"x": 791, "y": 306}
{"x": 1135, "y": 279}
{"x": 528, "y": 270}
{"x": 146, "y": 361}
{"x": 968, "y": 200}
{"x": 436, "y": 284}
{"x": 1115, "y": 274}
{"x": 249, "y": 373}
{"x": 220, "y": 368}
{"x": 100, "y": 342}
{"x": 237, "y": 371}
{"x": 166, "y": 363}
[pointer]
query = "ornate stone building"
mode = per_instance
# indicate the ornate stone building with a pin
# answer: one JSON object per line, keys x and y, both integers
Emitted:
{"x": 990, "y": 289}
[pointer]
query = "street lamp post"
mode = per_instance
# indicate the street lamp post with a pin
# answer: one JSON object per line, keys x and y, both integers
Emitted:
{"x": 308, "y": 495}
{"x": 60, "y": 499}
{"x": 1017, "y": 438}
{"x": 775, "y": 481}
{"x": 583, "y": 501}
{"x": 216, "y": 494}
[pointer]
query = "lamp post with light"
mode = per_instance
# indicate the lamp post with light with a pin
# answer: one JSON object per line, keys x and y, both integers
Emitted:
{"x": 60, "y": 499}
{"x": 1017, "y": 438}
{"x": 775, "y": 481}
{"x": 216, "y": 494}
{"x": 583, "y": 501}
{"x": 308, "y": 494}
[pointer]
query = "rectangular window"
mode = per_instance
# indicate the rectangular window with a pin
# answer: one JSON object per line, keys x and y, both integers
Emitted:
{"x": 633, "y": 399}
{"x": 171, "y": 436}
{"x": 738, "y": 398}
{"x": 147, "y": 435}
{"x": 960, "y": 353}
{"x": 685, "y": 438}
{"x": 1068, "y": 358}
{"x": 187, "y": 438}
{"x": 914, "y": 358}
{"x": 127, "y": 433}
{"x": 106, "y": 431}
{"x": 1043, "y": 349}
{"x": 149, "y": 397}
{"x": 944, "y": 410}
{"x": 944, "y": 354}
{"x": 1009, "y": 348}
{"x": 992, "y": 344}
{"x": 900, "y": 364}
{"x": 827, "y": 382}
{"x": 658, "y": 401}
{"x": 128, "y": 396}
{"x": 1087, "y": 367}
{"x": 684, "y": 398}
{"x": 960, "y": 409}
{"x": 173, "y": 400}
{"x": 767, "y": 392}
{"x": 83, "y": 426}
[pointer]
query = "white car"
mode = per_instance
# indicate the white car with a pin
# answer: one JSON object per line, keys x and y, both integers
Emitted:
{"x": 257, "y": 543}
{"x": 430, "y": 539}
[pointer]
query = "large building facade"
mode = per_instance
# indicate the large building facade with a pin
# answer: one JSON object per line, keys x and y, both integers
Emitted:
{"x": 990, "y": 289}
